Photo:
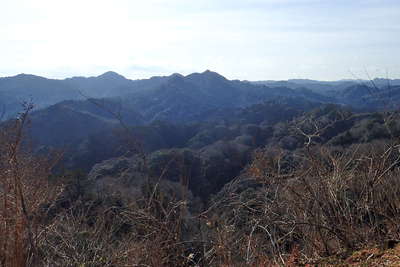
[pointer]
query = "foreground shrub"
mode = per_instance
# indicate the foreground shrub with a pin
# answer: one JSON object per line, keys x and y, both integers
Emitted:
{"x": 25, "y": 192}
{"x": 320, "y": 200}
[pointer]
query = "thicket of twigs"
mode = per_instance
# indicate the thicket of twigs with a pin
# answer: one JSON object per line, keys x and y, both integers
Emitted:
{"x": 24, "y": 192}
{"x": 317, "y": 202}
{"x": 46, "y": 223}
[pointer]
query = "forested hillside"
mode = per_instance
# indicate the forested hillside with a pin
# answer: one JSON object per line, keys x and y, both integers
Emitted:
{"x": 196, "y": 170}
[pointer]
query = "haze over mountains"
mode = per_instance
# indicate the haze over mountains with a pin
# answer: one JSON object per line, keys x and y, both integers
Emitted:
{"x": 68, "y": 111}
{"x": 181, "y": 98}
{"x": 174, "y": 111}
{"x": 44, "y": 92}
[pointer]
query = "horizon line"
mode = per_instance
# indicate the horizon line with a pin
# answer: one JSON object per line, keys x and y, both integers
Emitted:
{"x": 175, "y": 73}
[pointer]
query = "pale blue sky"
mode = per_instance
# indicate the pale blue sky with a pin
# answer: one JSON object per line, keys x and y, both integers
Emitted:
{"x": 253, "y": 39}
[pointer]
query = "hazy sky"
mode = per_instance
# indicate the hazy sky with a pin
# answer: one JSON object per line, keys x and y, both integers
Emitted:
{"x": 241, "y": 39}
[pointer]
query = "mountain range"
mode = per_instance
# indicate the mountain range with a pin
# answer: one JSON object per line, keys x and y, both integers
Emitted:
{"x": 72, "y": 109}
{"x": 214, "y": 123}
{"x": 168, "y": 97}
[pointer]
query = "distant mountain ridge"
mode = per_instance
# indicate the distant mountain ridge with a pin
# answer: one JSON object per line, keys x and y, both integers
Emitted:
{"x": 321, "y": 86}
{"x": 177, "y": 98}
{"x": 44, "y": 92}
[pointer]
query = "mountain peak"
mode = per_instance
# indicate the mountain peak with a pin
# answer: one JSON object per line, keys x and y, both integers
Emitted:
{"x": 210, "y": 73}
{"x": 111, "y": 75}
{"x": 176, "y": 75}
{"x": 175, "y": 78}
{"x": 27, "y": 77}
{"x": 206, "y": 75}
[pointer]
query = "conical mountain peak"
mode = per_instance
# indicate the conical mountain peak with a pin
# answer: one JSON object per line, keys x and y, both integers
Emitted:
{"x": 111, "y": 75}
